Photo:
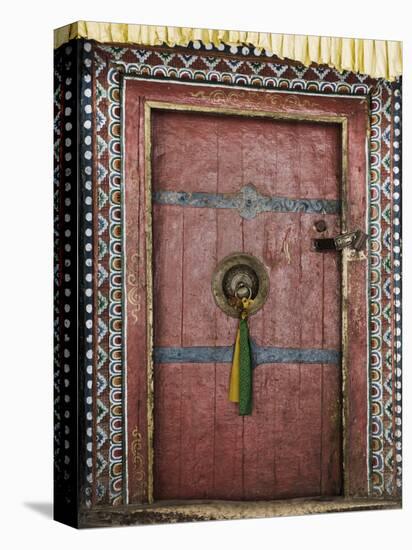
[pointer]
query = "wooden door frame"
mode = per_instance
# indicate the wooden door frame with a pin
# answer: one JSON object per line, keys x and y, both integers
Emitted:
{"x": 348, "y": 256}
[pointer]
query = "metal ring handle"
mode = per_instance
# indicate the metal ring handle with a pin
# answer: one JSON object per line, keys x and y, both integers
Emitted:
{"x": 241, "y": 286}
{"x": 239, "y": 268}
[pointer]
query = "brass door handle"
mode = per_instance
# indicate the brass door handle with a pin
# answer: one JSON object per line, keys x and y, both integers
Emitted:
{"x": 239, "y": 277}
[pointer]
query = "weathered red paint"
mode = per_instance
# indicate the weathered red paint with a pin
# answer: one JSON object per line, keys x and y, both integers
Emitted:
{"x": 291, "y": 445}
{"x": 135, "y": 300}
{"x": 294, "y": 311}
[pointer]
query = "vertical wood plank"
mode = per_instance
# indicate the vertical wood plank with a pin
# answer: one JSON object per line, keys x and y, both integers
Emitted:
{"x": 167, "y": 434}
{"x": 228, "y": 454}
{"x": 167, "y": 274}
{"x": 228, "y": 428}
{"x": 333, "y": 162}
{"x": 332, "y": 282}
{"x": 312, "y": 159}
{"x": 253, "y": 153}
{"x": 282, "y": 258}
{"x": 287, "y": 417}
{"x": 357, "y": 383}
{"x": 199, "y": 261}
{"x": 309, "y": 431}
{"x": 311, "y": 287}
{"x": 357, "y": 199}
{"x": 331, "y": 459}
{"x": 287, "y": 165}
{"x": 229, "y": 156}
{"x": 197, "y": 431}
{"x": 259, "y": 437}
{"x": 229, "y": 223}
{"x": 331, "y": 421}
{"x": 229, "y": 240}
{"x": 199, "y": 315}
{"x": 200, "y": 232}
{"x": 320, "y": 160}
{"x": 253, "y": 243}
{"x": 356, "y": 456}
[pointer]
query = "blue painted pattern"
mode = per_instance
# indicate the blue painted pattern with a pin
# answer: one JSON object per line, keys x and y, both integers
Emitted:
{"x": 249, "y": 202}
{"x": 261, "y": 355}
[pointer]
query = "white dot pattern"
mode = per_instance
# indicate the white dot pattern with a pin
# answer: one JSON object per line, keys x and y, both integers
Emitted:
{"x": 66, "y": 296}
{"x": 67, "y": 302}
{"x": 397, "y": 280}
{"x": 85, "y": 157}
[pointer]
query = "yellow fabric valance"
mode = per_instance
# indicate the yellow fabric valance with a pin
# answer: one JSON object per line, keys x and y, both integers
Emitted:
{"x": 377, "y": 58}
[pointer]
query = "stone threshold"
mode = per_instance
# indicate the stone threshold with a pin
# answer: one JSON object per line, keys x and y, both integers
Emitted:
{"x": 202, "y": 510}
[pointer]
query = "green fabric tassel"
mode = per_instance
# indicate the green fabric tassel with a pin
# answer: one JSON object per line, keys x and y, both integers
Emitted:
{"x": 245, "y": 370}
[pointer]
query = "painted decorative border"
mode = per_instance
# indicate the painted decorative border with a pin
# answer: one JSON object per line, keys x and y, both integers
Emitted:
{"x": 286, "y": 76}
{"x": 66, "y": 260}
{"x": 57, "y": 275}
{"x": 115, "y": 294}
{"x": 86, "y": 245}
{"x": 375, "y": 297}
{"x": 73, "y": 280}
{"x": 397, "y": 273}
{"x": 109, "y": 425}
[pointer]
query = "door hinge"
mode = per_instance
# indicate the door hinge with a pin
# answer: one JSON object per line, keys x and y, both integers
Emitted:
{"x": 356, "y": 240}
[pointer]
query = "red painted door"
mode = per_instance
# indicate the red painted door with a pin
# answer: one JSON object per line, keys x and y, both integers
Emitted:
{"x": 291, "y": 444}
{"x": 211, "y": 171}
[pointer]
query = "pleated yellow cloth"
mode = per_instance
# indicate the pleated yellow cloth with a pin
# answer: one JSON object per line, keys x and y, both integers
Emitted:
{"x": 377, "y": 58}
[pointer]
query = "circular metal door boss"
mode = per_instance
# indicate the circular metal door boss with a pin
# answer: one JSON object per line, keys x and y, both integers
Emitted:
{"x": 239, "y": 276}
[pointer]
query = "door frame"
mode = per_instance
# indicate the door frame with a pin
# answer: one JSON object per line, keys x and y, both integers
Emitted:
{"x": 347, "y": 256}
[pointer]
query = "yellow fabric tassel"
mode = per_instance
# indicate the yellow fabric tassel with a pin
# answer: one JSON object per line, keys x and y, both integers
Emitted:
{"x": 234, "y": 374}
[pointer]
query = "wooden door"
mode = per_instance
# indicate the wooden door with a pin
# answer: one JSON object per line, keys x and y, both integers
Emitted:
{"x": 205, "y": 173}
{"x": 291, "y": 445}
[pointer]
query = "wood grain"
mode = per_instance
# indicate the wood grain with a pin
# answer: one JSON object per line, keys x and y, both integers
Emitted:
{"x": 228, "y": 437}
{"x": 357, "y": 382}
{"x": 331, "y": 444}
{"x": 281, "y": 450}
{"x": 259, "y": 440}
{"x": 167, "y": 273}
{"x": 167, "y": 464}
{"x": 135, "y": 301}
{"x": 197, "y": 431}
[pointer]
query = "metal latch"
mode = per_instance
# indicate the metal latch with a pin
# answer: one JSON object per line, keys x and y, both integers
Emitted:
{"x": 355, "y": 240}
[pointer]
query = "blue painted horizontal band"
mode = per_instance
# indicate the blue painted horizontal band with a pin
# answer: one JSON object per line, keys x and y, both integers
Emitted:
{"x": 261, "y": 355}
{"x": 249, "y": 202}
